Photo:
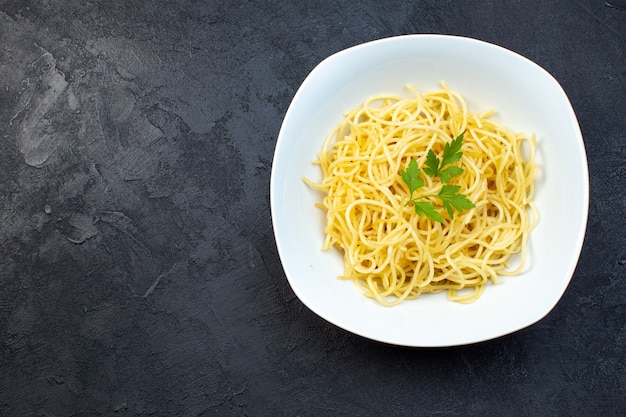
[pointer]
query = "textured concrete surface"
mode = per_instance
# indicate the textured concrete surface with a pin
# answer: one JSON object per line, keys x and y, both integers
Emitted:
{"x": 138, "y": 271}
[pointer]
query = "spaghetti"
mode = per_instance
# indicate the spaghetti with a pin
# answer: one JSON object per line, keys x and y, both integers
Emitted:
{"x": 391, "y": 253}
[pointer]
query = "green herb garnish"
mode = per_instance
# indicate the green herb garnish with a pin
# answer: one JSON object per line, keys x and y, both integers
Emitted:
{"x": 449, "y": 195}
{"x": 451, "y": 153}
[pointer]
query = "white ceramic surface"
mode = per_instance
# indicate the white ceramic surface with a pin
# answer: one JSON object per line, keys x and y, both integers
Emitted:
{"x": 525, "y": 98}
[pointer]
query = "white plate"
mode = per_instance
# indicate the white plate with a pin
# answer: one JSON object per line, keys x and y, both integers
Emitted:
{"x": 525, "y": 98}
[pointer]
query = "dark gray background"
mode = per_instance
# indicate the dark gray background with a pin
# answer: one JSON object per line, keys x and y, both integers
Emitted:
{"x": 138, "y": 270}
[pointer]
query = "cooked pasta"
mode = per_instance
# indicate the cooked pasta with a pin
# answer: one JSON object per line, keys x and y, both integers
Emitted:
{"x": 390, "y": 252}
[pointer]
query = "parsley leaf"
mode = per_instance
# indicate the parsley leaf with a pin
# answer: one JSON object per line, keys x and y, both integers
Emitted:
{"x": 432, "y": 164}
{"x": 411, "y": 177}
{"x": 452, "y": 150}
{"x": 429, "y": 209}
{"x": 451, "y": 153}
{"x": 450, "y": 198}
{"x": 451, "y": 171}
{"x": 449, "y": 195}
